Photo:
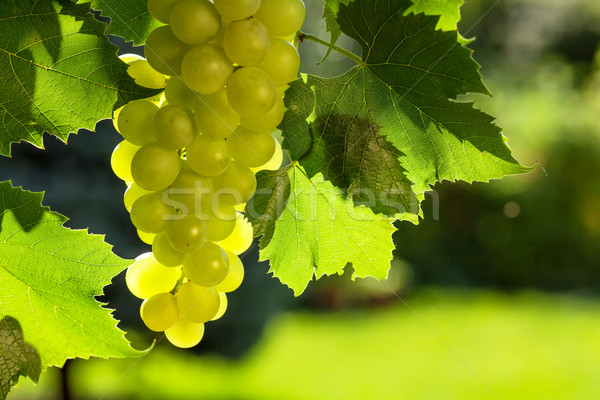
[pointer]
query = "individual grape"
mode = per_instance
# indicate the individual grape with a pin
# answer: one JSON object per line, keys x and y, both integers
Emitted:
{"x": 154, "y": 167}
{"x": 120, "y": 160}
{"x": 208, "y": 157}
{"x": 146, "y": 237}
{"x": 222, "y": 306}
{"x": 185, "y": 334}
{"x": 161, "y": 9}
{"x": 236, "y": 185}
{"x": 268, "y": 122}
{"x": 274, "y": 163}
{"x": 234, "y": 277}
{"x": 214, "y": 116}
{"x": 174, "y": 127}
{"x": 160, "y": 312}
{"x": 250, "y": 148}
{"x": 206, "y": 69}
{"x": 251, "y": 91}
{"x": 186, "y": 235}
{"x": 195, "y": 21}
{"x": 281, "y": 17}
{"x": 165, "y": 253}
{"x": 220, "y": 221}
{"x": 190, "y": 192}
{"x": 164, "y": 51}
{"x": 133, "y": 192}
{"x": 136, "y": 122}
{"x": 236, "y": 9}
{"x": 146, "y": 76}
{"x": 282, "y": 62}
{"x": 241, "y": 238}
{"x": 115, "y": 118}
{"x": 207, "y": 266}
{"x": 150, "y": 214}
{"x": 146, "y": 277}
{"x": 178, "y": 93}
{"x": 246, "y": 42}
{"x": 197, "y": 303}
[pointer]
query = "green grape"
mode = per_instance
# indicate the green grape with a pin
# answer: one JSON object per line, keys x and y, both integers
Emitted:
{"x": 146, "y": 277}
{"x": 189, "y": 192}
{"x": 161, "y": 9}
{"x": 208, "y": 157}
{"x": 133, "y": 192}
{"x": 241, "y": 238}
{"x": 136, "y": 122}
{"x": 251, "y": 91}
{"x": 206, "y": 69}
{"x": 146, "y": 237}
{"x": 154, "y": 167}
{"x": 165, "y": 253}
{"x": 174, "y": 127}
{"x": 236, "y": 185}
{"x": 178, "y": 93}
{"x": 234, "y": 277}
{"x": 186, "y": 235}
{"x": 282, "y": 62}
{"x": 207, "y": 266}
{"x": 214, "y": 116}
{"x": 222, "y": 306}
{"x": 220, "y": 221}
{"x": 197, "y": 303}
{"x": 150, "y": 214}
{"x": 120, "y": 160}
{"x": 236, "y": 9}
{"x": 274, "y": 163}
{"x": 160, "y": 312}
{"x": 115, "y": 118}
{"x": 185, "y": 333}
{"x": 282, "y": 17}
{"x": 164, "y": 51}
{"x": 145, "y": 76}
{"x": 268, "y": 122}
{"x": 246, "y": 42}
{"x": 195, "y": 21}
{"x": 250, "y": 148}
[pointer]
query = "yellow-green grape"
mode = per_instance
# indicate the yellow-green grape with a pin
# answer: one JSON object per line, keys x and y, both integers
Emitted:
{"x": 154, "y": 167}
{"x": 236, "y": 9}
{"x": 282, "y": 17}
{"x": 185, "y": 333}
{"x": 268, "y": 122}
{"x": 186, "y": 235}
{"x": 120, "y": 160}
{"x": 208, "y": 157}
{"x": 146, "y": 237}
{"x": 241, "y": 238}
{"x": 146, "y": 277}
{"x": 222, "y": 306}
{"x": 195, "y": 21}
{"x": 115, "y": 118}
{"x": 150, "y": 214}
{"x": 190, "y": 192}
{"x": 246, "y": 42}
{"x": 164, "y": 51}
{"x": 250, "y": 148}
{"x": 197, "y": 303}
{"x": 206, "y": 69}
{"x": 174, "y": 127}
{"x": 133, "y": 192}
{"x": 220, "y": 221}
{"x": 136, "y": 122}
{"x": 251, "y": 91}
{"x": 165, "y": 253}
{"x": 282, "y": 62}
{"x": 161, "y": 9}
{"x": 236, "y": 185}
{"x": 145, "y": 76}
{"x": 234, "y": 277}
{"x": 160, "y": 312}
{"x": 178, "y": 93}
{"x": 207, "y": 266}
{"x": 214, "y": 116}
{"x": 274, "y": 163}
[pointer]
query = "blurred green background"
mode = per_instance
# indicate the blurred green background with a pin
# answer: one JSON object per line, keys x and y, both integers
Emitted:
{"x": 496, "y": 299}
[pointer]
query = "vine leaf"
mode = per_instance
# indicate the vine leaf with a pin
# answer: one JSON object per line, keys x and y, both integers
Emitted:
{"x": 447, "y": 10}
{"x": 59, "y": 73}
{"x": 318, "y": 230}
{"x": 49, "y": 276}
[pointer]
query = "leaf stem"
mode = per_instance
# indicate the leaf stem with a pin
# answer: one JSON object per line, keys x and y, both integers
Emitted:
{"x": 306, "y": 36}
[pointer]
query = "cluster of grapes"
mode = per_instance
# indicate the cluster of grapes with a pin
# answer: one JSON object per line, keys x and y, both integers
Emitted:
{"x": 189, "y": 156}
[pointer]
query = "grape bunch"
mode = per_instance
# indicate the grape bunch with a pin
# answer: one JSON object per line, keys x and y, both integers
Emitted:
{"x": 189, "y": 156}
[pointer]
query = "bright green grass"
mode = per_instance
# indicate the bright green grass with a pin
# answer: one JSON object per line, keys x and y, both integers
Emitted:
{"x": 524, "y": 346}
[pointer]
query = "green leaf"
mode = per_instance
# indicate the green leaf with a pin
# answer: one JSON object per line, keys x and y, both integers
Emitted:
{"x": 49, "y": 276}
{"x": 59, "y": 72}
{"x": 330, "y": 12}
{"x": 448, "y": 10}
{"x": 320, "y": 231}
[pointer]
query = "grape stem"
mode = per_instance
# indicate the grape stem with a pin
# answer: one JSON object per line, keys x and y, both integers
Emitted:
{"x": 306, "y": 36}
